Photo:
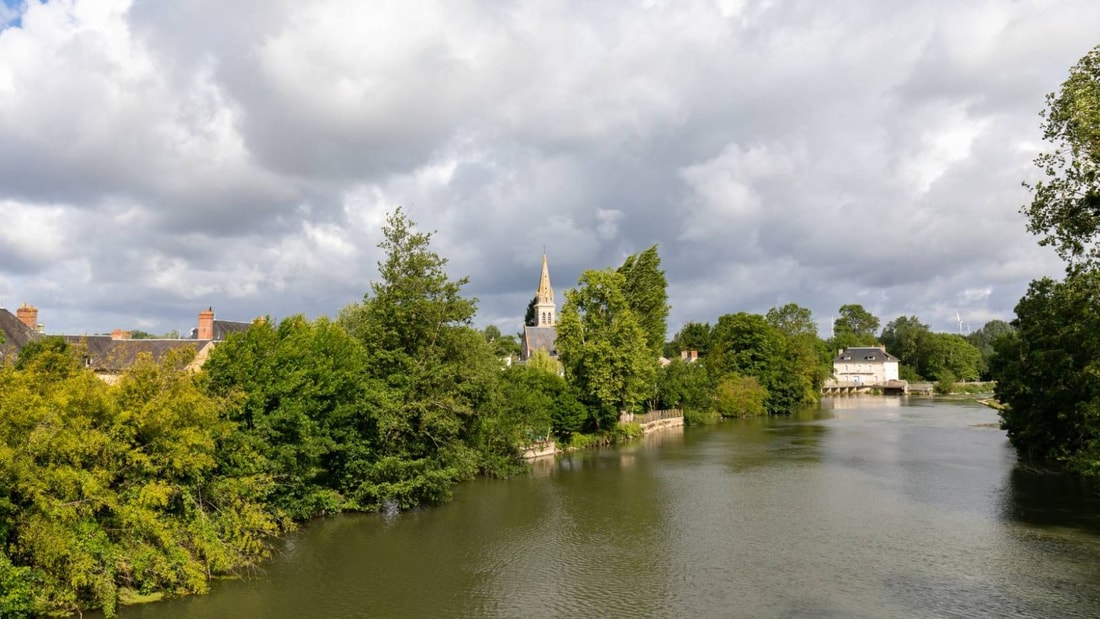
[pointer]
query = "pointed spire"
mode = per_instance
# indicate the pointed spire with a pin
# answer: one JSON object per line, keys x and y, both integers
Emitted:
{"x": 545, "y": 293}
{"x": 544, "y": 298}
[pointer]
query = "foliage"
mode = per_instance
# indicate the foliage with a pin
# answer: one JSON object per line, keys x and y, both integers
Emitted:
{"x": 746, "y": 345}
{"x": 645, "y": 289}
{"x": 531, "y": 317}
{"x": 983, "y": 340}
{"x": 538, "y": 403}
{"x": 692, "y": 336}
{"x": 603, "y": 348}
{"x": 1048, "y": 373}
{"x": 924, "y": 354}
{"x": 945, "y": 382}
{"x": 502, "y": 345}
{"x": 741, "y": 396}
{"x": 106, "y": 488}
{"x": 435, "y": 424}
{"x": 792, "y": 319}
{"x": 302, "y": 399}
{"x": 854, "y": 327}
{"x": 685, "y": 385}
{"x": 50, "y": 354}
{"x": 542, "y": 361}
{"x": 1065, "y": 206}
{"x": 811, "y": 359}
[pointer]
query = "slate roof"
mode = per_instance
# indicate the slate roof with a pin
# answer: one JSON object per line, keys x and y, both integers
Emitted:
{"x": 104, "y": 354}
{"x": 540, "y": 338}
{"x": 872, "y": 354}
{"x": 223, "y": 328}
{"x": 16, "y": 334}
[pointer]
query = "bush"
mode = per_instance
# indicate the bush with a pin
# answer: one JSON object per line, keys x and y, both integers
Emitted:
{"x": 741, "y": 396}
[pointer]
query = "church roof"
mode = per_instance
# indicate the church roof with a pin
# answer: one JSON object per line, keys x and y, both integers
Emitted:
{"x": 540, "y": 338}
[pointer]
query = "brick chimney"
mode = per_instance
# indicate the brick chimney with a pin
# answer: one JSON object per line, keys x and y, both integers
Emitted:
{"x": 206, "y": 324}
{"x": 28, "y": 315}
{"x": 119, "y": 334}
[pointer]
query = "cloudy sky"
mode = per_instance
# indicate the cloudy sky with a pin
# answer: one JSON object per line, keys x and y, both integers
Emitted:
{"x": 157, "y": 157}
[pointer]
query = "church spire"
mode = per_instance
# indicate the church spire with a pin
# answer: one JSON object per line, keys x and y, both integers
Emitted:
{"x": 544, "y": 305}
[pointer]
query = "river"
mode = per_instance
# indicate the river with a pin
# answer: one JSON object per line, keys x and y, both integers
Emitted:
{"x": 865, "y": 507}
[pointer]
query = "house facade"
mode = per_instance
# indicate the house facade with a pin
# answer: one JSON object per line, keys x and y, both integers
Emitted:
{"x": 870, "y": 365}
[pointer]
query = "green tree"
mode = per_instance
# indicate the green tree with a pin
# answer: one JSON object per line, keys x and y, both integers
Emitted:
{"x": 854, "y": 327}
{"x": 1065, "y": 206}
{"x": 604, "y": 349}
{"x": 685, "y": 385}
{"x": 1048, "y": 373}
{"x": 907, "y": 338}
{"x": 692, "y": 336}
{"x": 304, "y": 401}
{"x": 949, "y": 357}
{"x": 792, "y": 319}
{"x": 741, "y": 396}
{"x": 810, "y": 358}
{"x": 983, "y": 340}
{"x": 502, "y": 345}
{"x": 542, "y": 361}
{"x": 646, "y": 291}
{"x": 531, "y": 318}
{"x": 442, "y": 375}
{"x": 747, "y": 346}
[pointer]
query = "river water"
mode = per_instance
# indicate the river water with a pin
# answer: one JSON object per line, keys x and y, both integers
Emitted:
{"x": 866, "y": 507}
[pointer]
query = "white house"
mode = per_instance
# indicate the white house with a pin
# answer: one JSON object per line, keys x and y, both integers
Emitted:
{"x": 870, "y": 365}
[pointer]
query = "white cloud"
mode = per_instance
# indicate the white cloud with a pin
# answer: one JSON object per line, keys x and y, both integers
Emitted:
{"x": 159, "y": 156}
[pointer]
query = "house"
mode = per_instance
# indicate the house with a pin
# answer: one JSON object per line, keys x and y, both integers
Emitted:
{"x": 870, "y": 365}
{"x": 110, "y": 355}
{"x": 544, "y": 335}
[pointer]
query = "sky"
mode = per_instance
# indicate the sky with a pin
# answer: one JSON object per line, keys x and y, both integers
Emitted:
{"x": 157, "y": 158}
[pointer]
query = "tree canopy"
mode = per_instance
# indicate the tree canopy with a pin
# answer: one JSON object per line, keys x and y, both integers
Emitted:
{"x": 604, "y": 348}
{"x": 1048, "y": 373}
{"x": 645, "y": 289}
{"x": 854, "y": 326}
{"x": 1065, "y": 207}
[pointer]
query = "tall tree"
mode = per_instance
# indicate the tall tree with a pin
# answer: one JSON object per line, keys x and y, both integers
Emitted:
{"x": 1065, "y": 206}
{"x": 692, "y": 336}
{"x": 1047, "y": 373}
{"x": 746, "y": 345}
{"x": 792, "y": 319}
{"x": 906, "y": 338}
{"x": 854, "y": 327}
{"x": 604, "y": 348}
{"x": 415, "y": 326}
{"x": 531, "y": 318}
{"x": 983, "y": 340}
{"x": 646, "y": 291}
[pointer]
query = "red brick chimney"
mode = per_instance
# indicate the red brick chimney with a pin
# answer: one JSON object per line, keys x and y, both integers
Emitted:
{"x": 28, "y": 315}
{"x": 206, "y": 324}
{"x": 119, "y": 334}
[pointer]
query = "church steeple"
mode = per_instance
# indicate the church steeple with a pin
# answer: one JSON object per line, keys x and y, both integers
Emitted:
{"x": 544, "y": 305}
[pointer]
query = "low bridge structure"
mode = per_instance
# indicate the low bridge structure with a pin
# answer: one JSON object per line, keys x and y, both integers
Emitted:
{"x": 890, "y": 387}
